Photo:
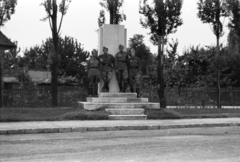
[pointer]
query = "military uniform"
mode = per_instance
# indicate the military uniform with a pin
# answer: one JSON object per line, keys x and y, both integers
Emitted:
{"x": 107, "y": 64}
{"x": 93, "y": 66}
{"x": 134, "y": 74}
{"x": 122, "y": 70}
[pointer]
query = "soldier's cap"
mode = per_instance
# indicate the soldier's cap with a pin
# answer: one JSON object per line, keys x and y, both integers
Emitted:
{"x": 120, "y": 45}
{"x": 105, "y": 48}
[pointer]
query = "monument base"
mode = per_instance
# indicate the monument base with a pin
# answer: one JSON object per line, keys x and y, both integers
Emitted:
{"x": 120, "y": 106}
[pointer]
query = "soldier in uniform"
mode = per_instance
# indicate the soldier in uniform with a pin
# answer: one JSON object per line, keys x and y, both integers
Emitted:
{"x": 121, "y": 68}
{"x": 107, "y": 64}
{"x": 93, "y": 66}
{"x": 134, "y": 72}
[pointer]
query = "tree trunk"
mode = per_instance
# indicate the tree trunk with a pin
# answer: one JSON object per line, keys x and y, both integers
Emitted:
{"x": 54, "y": 79}
{"x": 218, "y": 77}
{"x": 218, "y": 54}
{"x": 160, "y": 73}
{"x": 111, "y": 17}
{"x": 1, "y": 76}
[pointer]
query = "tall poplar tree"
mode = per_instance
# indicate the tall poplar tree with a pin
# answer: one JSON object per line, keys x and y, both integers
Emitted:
{"x": 162, "y": 18}
{"x": 52, "y": 10}
{"x": 211, "y": 11}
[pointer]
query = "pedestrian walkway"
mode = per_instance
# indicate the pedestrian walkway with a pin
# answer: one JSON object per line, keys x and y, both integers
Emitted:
{"x": 109, "y": 125}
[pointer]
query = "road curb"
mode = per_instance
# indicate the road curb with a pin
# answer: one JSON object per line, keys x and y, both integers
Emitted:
{"x": 112, "y": 128}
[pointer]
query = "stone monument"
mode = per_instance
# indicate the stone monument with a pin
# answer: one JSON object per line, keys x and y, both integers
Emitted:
{"x": 119, "y": 106}
{"x": 111, "y": 36}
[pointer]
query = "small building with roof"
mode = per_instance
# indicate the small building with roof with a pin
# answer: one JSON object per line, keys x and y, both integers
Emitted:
{"x": 5, "y": 44}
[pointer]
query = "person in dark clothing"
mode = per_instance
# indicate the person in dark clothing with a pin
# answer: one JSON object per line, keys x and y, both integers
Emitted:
{"x": 121, "y": 68}
{"x": 134, "y": 67}
{"x": 93, "y": 69}
{"x": 107, "y": 64}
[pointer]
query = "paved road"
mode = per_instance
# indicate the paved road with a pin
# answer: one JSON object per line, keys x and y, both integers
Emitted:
{"x": 181, "y": 145}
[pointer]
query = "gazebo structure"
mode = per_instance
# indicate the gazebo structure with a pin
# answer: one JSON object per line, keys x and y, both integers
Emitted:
{"x": 5, "y": 44}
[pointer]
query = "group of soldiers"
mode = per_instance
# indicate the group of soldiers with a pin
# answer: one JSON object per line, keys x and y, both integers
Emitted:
{"x": 126, "y": 65}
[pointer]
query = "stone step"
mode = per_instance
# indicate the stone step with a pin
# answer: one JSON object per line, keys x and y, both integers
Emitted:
{"x": 116, "y": 100}
{"x": 127, "y": 117}
{"x": 95, "y": 106}
{"x": 125, "y": 111}
{"x": 118, "y": 95}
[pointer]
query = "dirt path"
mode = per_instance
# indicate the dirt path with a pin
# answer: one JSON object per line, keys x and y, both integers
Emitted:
{"x": 200, "y": 144}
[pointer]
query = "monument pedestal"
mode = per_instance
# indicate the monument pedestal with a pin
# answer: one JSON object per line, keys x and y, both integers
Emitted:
{"x": 120, "y": 106}
{"x": 111, "y": 36}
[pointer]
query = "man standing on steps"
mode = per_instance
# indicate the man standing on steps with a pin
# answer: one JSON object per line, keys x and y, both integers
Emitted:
{"x": 107, "y": 64}
{"x": 93, "y": 66}
{"x": 121, "y": 68}
{"x": 134, "y": 72}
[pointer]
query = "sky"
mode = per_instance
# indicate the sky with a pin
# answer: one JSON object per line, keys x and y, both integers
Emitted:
{"x": 81, "y": 23}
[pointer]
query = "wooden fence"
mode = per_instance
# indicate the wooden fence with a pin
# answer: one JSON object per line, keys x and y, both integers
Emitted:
{"x": 196, "y": 97}
{"x": 69, "y": 96}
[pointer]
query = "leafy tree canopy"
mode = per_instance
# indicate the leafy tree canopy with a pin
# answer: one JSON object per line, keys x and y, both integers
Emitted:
{"x": 7, "y": 8}
{"x": 142, "y": 51}
{"x": 233, "y": 43}
{"x": 11, "y": 58}
{"x": 162, "y": 18}
{"x": 72, "y": 57}
{"x": 210, "y": 11}
{"x": 234, "y": 13}
{"x": 113, "y": 7}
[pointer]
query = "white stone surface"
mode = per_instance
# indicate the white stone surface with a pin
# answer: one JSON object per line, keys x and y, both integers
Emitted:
{"x": 127, "y": 117}
{"x": 111, "y": 36}
{"x": 125, "y": 111}
{"x": 96, "y": 106}
{"x": 117, "y": 95}
{"x": 116, "y": 100}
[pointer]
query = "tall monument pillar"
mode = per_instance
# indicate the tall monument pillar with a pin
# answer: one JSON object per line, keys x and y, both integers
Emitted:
{"x": 111, "y": 36}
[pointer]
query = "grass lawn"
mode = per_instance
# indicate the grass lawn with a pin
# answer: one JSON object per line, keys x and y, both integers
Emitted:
{"x": 60, "y": 114}
{"x": 192, "y": 113}
{"x": 49, "y": 114}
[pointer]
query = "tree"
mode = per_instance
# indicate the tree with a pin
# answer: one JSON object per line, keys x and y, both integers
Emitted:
{"x": 162, "y": 19}
{"x": 7, "y": 8}
{"x": 234, "y": 13}
{"x": 51, "y": 9}
{"x": 169, "y": 64}
{"x": 35, "y": 58}
{"x": 101, "y": 19}
{"x": 211, "y": 11}
{"x": 233, "y": 43}
{"x": 142, "y": 51}
{"x": 199, "y": 67}
{"x": 233, "y": 7}
{"x": 72, "y": 57}
{"x": 11, "y": 58}
{"x": 113, "y": 7}
{"x": 232, "y": 70}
